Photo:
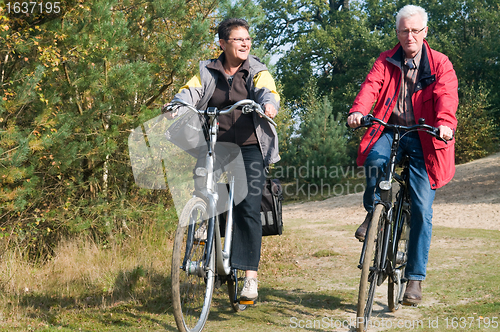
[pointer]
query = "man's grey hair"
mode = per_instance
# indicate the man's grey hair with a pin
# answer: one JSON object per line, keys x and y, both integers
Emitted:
{"x": 409, "y": 11}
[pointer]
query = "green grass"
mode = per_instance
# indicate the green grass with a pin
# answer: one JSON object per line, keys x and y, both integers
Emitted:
{"x": 463, "y": 281}
{"x": 325, "y": 253}
{"x": 308, "y": 276}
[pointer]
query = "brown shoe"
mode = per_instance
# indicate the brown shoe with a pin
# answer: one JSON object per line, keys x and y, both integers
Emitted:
{"x": 361, "y": 231}
{"x": 413, "y": 293}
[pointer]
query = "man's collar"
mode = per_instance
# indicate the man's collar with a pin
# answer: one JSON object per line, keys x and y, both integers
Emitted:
{"x": 415, "y": 61}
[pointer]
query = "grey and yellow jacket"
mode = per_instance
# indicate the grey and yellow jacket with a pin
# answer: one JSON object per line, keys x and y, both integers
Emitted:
{"x": 199, "y": 89}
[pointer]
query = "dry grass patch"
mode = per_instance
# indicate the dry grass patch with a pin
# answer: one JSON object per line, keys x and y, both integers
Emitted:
{"x": 85, "y": 275}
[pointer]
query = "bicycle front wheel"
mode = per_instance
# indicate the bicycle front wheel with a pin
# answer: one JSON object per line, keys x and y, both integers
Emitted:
{"x": 192, "y": 281}
{"x": 370, "y": 269}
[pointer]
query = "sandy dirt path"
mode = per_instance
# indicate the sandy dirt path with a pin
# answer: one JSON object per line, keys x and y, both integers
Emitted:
{"x": 470, "y": 200}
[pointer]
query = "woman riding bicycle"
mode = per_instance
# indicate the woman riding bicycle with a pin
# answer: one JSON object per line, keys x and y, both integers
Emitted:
{"x": 236, "y": 75}
{"x": 409, "y": 82}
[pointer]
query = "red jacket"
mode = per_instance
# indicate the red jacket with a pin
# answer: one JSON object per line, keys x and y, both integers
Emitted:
{"x": 435, "y": 99}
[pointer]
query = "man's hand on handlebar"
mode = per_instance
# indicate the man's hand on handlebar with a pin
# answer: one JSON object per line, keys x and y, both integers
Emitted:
{"x": 354, "y": 119}
{"x": 445, "y": 132}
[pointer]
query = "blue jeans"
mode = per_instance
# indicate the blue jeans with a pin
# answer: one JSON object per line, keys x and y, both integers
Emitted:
{"x": 421, "y": 195}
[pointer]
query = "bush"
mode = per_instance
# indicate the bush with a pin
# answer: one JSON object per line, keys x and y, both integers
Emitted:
{"x": 476, "y": 129}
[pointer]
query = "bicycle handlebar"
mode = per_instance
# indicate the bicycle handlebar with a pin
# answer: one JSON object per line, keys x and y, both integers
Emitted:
{"x": 247, "y": 106}
{"x": 369, "y": 120}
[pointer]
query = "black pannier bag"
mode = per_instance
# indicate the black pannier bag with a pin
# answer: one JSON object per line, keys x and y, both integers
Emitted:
{"x": 271, "y": 208}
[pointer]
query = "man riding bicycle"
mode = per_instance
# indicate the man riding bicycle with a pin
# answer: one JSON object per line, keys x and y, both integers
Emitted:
{"x": 409, "y": 82}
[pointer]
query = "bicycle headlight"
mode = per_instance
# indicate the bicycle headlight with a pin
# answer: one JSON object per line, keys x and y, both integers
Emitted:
{"x": 385, "y": 185}
{"x": 201, "y": 171}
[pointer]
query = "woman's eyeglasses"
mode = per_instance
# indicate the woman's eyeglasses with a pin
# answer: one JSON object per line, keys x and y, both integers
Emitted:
{"x": 241, "y": 40}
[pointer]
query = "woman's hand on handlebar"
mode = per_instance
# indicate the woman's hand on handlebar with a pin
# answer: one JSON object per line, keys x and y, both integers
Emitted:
{"x": 270, "y": 111}
{"x": 354, "y": 119}
{"x": 170, "y": 113}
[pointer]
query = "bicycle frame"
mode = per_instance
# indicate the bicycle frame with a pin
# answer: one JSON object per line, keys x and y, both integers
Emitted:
{"x": 222, "y": 253}
{"x": 401, "y": 207}
{"x": 392, "y": 220}
{"x": 200, "y": 259}
{"x": 384, "y": 237}
{"x": 385, "y": 185}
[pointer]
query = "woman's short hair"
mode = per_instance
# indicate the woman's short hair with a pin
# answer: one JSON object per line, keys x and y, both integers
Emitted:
{"x": 409, "y": 11}
{"x": 226, "y": 26}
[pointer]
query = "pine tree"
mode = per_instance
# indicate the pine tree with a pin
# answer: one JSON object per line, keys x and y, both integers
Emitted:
{"x": 318, "y": 148}
{"x": 323, "y": 142}
{"x": 72, "y": 86}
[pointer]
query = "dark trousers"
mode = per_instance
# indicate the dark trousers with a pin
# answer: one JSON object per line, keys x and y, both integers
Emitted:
{"x": 247, "y": 232}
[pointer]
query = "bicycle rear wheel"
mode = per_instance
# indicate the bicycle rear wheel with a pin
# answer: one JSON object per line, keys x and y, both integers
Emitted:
{"x": 192, "y": 281}
{"x": 234, "y": 284}
{"x": 370, "y": 269}
{"x": 396, "y": 287}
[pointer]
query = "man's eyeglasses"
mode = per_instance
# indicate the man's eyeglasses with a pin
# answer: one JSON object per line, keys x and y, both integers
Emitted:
{"x": 241, "y": 40}
{"x": 405, "y": 33}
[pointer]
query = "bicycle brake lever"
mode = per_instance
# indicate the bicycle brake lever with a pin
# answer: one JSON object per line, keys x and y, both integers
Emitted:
{"x": 261, "y": 112}
{"x": 271, "y": 121}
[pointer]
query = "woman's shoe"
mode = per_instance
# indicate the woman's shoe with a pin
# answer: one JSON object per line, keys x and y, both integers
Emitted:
{"x": 249, "y": 291}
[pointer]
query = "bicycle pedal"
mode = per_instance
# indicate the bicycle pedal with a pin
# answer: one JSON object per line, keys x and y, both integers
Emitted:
{"x": 248, "y": 302}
